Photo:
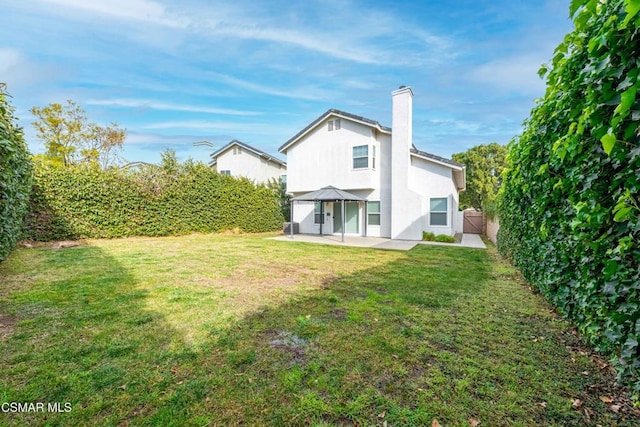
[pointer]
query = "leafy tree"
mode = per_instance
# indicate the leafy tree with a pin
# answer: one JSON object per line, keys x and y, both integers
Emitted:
{"x": 169, "y": 162}
{"x": 15, "y": 176}
{"x": 102, "y": 144}
{"x": 69, "y": 137}
{"x": 484, "y": 165}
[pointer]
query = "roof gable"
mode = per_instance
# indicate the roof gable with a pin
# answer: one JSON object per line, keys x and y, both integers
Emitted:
{"x": 333, "y": 113}
{"x": 247, "y": 147}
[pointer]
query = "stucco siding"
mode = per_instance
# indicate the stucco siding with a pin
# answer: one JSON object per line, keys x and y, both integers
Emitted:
{"x": 325, "y": 157}
{"x": 431, "y": 180}
{"x": 249, "y": 165}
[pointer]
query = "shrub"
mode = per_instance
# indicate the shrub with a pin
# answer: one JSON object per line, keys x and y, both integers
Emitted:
{"x": 445, "y": 238}
{"x": 15, "y": 177}
{"x": 88, "y": 202}
{"x": 569, "y": 214}
{"x": 429, "y": 237}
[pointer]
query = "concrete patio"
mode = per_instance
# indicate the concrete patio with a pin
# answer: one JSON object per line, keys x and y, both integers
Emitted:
{"x": 468, "y": 241}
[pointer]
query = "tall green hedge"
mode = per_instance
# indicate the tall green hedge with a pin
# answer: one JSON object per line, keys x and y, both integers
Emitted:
{"x": 569, "y": 212}
{"x": 87, "y": 202}
{"x": 15, "y": 177}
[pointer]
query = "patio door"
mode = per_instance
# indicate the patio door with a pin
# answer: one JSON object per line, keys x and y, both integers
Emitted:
{"x": 352, "y": 221}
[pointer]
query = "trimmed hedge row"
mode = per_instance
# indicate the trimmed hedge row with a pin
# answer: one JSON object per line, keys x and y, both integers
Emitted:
{"x": 15, "y": 177}
{"x": 87, "y": 202}
{"x": 569, "y": 214}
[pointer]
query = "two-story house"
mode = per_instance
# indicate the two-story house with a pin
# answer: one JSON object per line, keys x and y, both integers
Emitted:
{"x": 403, "y": 191}
{"x": 240, "y": 159}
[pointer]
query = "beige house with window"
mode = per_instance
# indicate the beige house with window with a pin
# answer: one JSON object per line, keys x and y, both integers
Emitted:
{"x": 401, "y": 190}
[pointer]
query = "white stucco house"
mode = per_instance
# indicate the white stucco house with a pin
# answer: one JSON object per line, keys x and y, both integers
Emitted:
{"x": 400, "y": 190}
{"x": 242, "y": 160}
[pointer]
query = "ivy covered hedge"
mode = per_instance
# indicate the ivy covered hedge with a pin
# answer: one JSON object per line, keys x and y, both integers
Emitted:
{"x": 88, "y": 202}
{"x": 569, "y": 211}
{"x": 15, "y": 177}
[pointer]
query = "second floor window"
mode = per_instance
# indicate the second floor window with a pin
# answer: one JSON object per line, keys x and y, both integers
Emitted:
{"x": 333, "y": 124}
{"x": 361, "y": 157}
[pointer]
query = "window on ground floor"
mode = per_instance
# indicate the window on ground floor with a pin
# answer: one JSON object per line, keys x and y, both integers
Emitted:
{"x": 438, "y": 209}
{"x": 318, "y": 217}
{"x": 373, "y": 213}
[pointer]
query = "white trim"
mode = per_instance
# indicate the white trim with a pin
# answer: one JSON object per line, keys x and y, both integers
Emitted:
{"x": 447, "y": 213}
{"x": 438, "y": 162}
{"x": 240, "y": 146}
{"x": 321, "y": 123}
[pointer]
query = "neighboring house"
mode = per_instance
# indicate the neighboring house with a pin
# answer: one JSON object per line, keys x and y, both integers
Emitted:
{"x": 405, "y": 191}
{"x": 240, "y": 159}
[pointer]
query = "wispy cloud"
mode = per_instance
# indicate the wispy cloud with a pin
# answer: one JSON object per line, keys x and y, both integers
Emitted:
{"x": 137, "y": 10}
{"x": 516, "y": 73}
{"x": 9, "y": 58}
{"x": 156, "y": 105}
{"x": 303, "y": 39}
{"x": 308, "y": 92}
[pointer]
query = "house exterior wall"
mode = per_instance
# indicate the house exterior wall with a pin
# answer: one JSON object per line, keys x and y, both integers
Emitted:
{"x": 325, "y": 158}
{"x": 249, "y": 165}
{"x": 432, "y": 180}
{"x": 402, "y": 182}
{"x": 329, "y": 155}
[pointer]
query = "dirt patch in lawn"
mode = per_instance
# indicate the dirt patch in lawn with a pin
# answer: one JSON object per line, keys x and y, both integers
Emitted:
{"x": 290, "y": 344}
{"x": 252, "y": 288}
{"x": 6, "y": 326}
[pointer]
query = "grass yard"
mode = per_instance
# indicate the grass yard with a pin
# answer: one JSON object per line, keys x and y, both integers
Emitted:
{"x": 218, "y": 330}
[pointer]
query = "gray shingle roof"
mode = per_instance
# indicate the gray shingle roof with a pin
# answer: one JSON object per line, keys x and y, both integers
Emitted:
{"x": 333, "y": 111}
{"x": 414, "y": 150}
{"x": 370, "y": 122}
{"x": 329, "y": 193}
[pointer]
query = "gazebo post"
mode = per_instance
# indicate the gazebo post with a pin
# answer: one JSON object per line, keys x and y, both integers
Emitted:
{"x": 343, "y": 223}
{"x": 321, "y": 216}
{"x": 291, "y": 221}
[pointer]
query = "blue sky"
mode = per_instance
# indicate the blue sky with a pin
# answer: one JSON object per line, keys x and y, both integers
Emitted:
{"x": 176, "y": 72}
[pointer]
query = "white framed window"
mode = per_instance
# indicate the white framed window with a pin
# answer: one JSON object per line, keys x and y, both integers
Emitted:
{"x": 225, "y": 172}
{"x": 438, "y": 211}
{"x": 373, "y": 156}
{"x": 373, "y": 213}
{"x": 318, "y": 217}
{"x": 361, "y": 157}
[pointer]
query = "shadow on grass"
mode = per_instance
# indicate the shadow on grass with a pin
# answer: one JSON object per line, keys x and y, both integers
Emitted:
{"x": 87, "y": 340}
{"x": 433, "y": 334}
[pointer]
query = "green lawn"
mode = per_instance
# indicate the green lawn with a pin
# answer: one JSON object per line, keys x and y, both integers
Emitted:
{"x": 217, "y": 330}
